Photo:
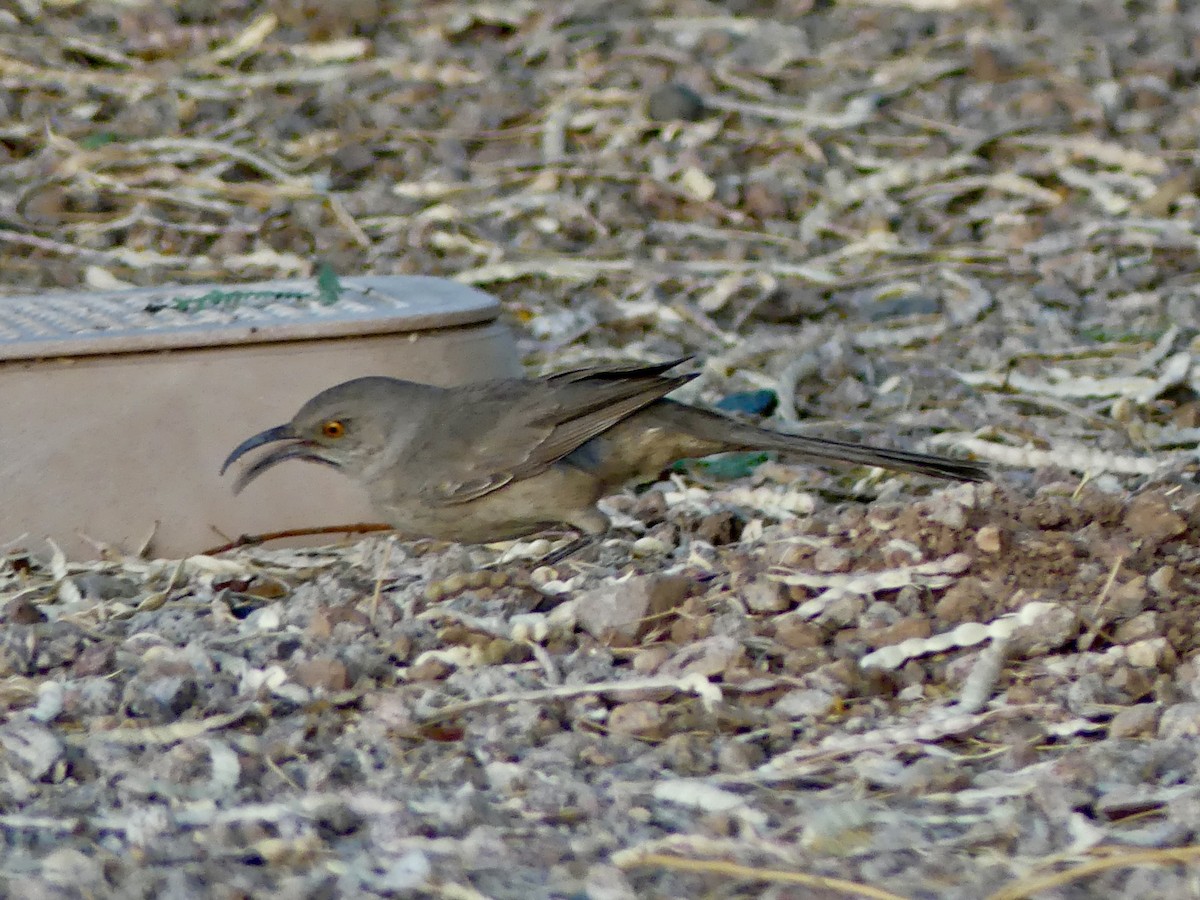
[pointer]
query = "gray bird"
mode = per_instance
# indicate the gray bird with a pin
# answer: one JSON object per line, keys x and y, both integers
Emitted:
{"x": 502, "y": 459}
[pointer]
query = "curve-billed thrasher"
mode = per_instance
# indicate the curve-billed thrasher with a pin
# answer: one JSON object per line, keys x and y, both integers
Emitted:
{"x": 502, "y": 459}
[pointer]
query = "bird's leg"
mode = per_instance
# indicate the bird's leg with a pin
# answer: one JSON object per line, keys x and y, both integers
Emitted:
{"x": 568, "y": 549}
{"x": 590, "y": 523}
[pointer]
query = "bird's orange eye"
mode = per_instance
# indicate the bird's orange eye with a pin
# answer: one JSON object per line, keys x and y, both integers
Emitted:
{"x": 333, "y": 428}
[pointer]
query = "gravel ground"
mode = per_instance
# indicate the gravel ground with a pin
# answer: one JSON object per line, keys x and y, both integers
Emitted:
{"x": 965, "y": 225}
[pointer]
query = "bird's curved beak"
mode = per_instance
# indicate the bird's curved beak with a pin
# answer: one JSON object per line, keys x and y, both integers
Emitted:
{"x": 298, "y": 449}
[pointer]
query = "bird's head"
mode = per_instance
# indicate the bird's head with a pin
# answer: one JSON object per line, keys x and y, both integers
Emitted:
{"x": 348, "y": 427}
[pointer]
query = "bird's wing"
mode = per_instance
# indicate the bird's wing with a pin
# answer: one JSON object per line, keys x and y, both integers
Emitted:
{"x": 517, "y": 429}
{"x": 613, "y": 370}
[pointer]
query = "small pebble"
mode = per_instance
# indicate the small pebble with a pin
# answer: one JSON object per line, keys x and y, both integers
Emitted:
{"x": 675, "y": 101}
{"x": 608, "y": 883}
{"x": 529, "y": 627}
{"x": 1150, "y": 518}
{"x": 1180, "y": 720}
{"x": 989, "y": 539}
{"x": 765, "y": 596}
{"x": 1165, "y": 581}
{"x": 804, "y": 702}
{"x": 643, "y": 718}
{"x": 832, "y": 559}
{"x": 49, "y": 702}
{"x": 99, "y": 586}
{"x": 1146, "y": 654}
{"x": 903, "y": 305}
{"x": 650, "y": 546}
{"x": 1136, "y": 720}
{"x": 322, "y": 673}
{"x": 1141, "y": 627}
{"x": 22, "y": 611}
